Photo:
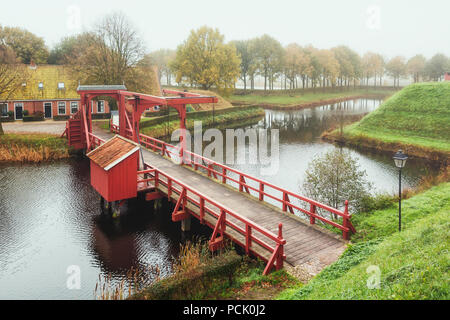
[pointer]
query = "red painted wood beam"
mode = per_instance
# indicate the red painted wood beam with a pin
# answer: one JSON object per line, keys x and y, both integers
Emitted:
{"x": 144, "y": 97}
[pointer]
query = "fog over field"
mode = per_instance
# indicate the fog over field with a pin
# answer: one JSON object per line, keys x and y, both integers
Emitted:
{"x": 401, "y": 27}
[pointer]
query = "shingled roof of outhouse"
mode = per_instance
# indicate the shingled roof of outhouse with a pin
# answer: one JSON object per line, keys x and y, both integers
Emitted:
{"x": 113, "y": 152}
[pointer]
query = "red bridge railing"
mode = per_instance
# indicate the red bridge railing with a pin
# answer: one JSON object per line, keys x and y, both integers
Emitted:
{"x": 261, "y": 189}
{"x": 252, "y": 233}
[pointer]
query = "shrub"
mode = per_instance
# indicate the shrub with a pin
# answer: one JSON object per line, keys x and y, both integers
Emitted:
{"x": 336, "y": 177}
{"x": 61, "y": 118}
{"x": 377, "y": 202}
{"x": 25, "y": 112}
{"x": 97, "y": 116}
{"x": 37, "y": 116}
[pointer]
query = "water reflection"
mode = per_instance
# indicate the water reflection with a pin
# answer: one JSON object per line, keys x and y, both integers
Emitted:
{"x": 300, "y": 142}
{"x": 306, "y": 125}
{"x": 50, "y": 219}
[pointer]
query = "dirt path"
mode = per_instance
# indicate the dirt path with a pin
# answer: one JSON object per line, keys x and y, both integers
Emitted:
{"x": 48, "y": 126}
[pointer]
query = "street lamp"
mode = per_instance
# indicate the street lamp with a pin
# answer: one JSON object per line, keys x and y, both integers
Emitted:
{"x": 400, "y": 161}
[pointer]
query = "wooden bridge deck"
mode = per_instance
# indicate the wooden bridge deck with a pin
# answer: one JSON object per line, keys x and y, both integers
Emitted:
{"x": 308, "y": 246}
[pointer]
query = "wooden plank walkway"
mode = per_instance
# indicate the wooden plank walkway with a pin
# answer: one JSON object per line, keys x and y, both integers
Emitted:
{"x": 308, "y": 246}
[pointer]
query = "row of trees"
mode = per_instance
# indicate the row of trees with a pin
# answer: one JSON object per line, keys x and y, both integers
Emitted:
{"x": 305, "y": 66}
{"x": 112, "y": 52}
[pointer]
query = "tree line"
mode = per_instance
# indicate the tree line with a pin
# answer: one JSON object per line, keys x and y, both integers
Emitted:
{"x": 297, "y": 66}
{"x": 113, "y": 53}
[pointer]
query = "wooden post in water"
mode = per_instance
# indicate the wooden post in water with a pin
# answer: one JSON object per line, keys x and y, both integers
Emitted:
{"x": 186, "y": 224}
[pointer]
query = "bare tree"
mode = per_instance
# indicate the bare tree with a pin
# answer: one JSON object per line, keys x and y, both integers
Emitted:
{"x": 110, "y": 53}
{"x": 12, "y": 74}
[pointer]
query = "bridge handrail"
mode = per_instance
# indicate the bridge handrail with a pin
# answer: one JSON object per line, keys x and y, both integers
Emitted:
{"x": 95, "y": 141}
{"x": 158, "y": 172}
{"x": 192, "y": 159}
{"x": 277, "y": 251}
{"x": 265, "y": 183}
{"x": 192, "y": 190}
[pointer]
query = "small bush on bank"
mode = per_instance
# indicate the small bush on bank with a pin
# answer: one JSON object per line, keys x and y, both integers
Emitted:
{"x": 334, "y": 178}
{"x": 377, "y": 202}
{"x": 194, "y": 271}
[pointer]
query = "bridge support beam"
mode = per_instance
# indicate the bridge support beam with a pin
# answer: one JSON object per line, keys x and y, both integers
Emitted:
{"x": 217, "y": 238}
{"x": 186, "y": 224}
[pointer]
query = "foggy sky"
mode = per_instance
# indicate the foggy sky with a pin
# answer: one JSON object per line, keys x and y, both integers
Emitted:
{"x": 395, "y": 27}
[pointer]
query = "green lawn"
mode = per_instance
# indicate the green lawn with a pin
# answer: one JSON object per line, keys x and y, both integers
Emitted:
{"x": 237, "y": 116}
{"x": 308, "y": 97}
{"x": 413, "y": 264}
{"x": 418, "y": 115}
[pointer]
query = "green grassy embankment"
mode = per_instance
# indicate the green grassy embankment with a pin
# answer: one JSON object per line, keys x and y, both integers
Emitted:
{"x": 32, "y": 147}
{"x": 412, "y": 264}
{"x": 299, "y": 99}
{"x": 198, "y": 274}
{"x": 416, "y": 119}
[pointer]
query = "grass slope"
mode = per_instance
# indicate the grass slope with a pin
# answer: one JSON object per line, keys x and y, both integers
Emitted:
{"x": 417, "y": 116}
{"x": 234, "y": 116}
{"x": 413, "y": 264}
{"x": 32, "y": 147}
{"x": 303, "y": 98}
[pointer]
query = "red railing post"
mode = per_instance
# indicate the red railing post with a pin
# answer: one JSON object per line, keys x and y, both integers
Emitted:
{"x": 281, "y": 250}
{"x": 284, "y": 201}
{"x": 224, "y": 221}
{"x": 169, "y": 188}
{"x": 248, "y": 238}
{"x": 241, "y": 183}
{"x": 224, "y": 175}
{"x": 202, "y": 210}
{"x": 312, "y": 209}
{"x": 156, "y": 179}
{"x": 345, "y": 224}
{"x": 261, "y": 191}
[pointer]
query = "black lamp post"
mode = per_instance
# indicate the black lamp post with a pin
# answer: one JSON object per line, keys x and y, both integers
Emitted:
{"x": 400, "y": 161}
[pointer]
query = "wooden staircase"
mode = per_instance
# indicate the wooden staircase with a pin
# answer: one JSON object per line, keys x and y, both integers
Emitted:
{"x": 75, "y": 131}
{"x": 75, "y": 134}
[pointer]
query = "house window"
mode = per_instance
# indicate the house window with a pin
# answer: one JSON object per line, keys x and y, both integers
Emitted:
{"x": 41, "y": 85}
{"x": 3, "y": 110}
{"x": 61, "y": 85}
{"x": 74, "y": 107}
{"x": 100, "y": 106}
{"x": 61, "y": 107}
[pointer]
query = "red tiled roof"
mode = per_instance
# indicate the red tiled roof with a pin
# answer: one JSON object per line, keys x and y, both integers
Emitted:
{"x": 113, "y": 152}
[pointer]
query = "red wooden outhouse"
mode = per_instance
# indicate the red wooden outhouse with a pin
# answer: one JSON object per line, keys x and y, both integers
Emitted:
{"x": 114, "y": 167}
{"x": 447, "y": 76}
